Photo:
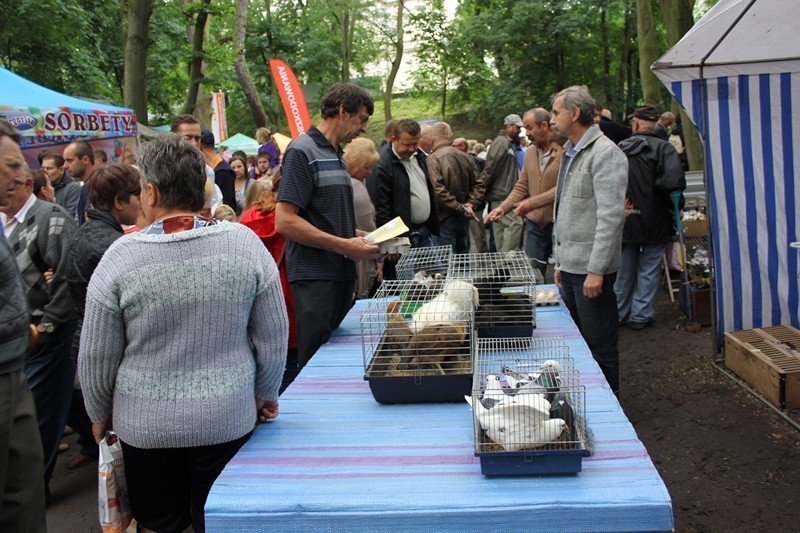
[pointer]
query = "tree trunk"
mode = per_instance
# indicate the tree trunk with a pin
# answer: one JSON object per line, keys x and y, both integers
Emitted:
{"x": 624, "y": 85}
{"x": 240, "y": 64}
{"x": 398, "y": 59}
{"x": 607, "y": 93}
{"x": 344, "y": 27}
{"x": 678, "y": 20}
{"x": 137, "y": 41}
{"x": 648, "y": 52}
{"x": 196, "y": 63}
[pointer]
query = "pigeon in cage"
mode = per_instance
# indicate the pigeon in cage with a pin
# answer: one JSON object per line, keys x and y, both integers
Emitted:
{"x": 517, "y": 426}
{"x": 455, "y": 303}
{"x": 516, "y": 379}
{"x": 562, "y": 408}
{"x": 492, "y": 392}
{"x": 434, "y": 344}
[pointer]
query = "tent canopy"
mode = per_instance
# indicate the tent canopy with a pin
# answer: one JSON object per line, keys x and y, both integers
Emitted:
{"x": 736, "y": 37}
{"x": 48, "y": 119}
{"x": 737, "y": 74}
{"x": 241, "y": 142}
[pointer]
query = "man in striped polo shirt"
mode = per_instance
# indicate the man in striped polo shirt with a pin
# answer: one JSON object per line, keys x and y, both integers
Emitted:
{"x": 315, "y": 214}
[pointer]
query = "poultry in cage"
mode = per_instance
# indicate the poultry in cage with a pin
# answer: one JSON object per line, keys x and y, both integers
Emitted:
{"x": 455, "y": 303}
{"x": 441, "y": 347}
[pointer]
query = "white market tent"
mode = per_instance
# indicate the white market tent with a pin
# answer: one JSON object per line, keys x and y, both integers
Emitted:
{"x": 737, "y": 74}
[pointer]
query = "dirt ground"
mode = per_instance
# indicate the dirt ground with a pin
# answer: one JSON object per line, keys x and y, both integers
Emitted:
{"x": 730, "y": 463}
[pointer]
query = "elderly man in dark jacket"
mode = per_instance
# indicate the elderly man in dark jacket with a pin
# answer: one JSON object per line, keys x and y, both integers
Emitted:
{"x": 458, "y": 188}
{"x": 654, "y": 173}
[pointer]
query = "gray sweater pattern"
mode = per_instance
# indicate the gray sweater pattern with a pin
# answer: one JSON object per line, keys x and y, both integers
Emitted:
{"x": 182, "y": 333}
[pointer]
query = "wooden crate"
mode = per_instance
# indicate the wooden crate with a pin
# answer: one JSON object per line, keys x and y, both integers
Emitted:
{"x": 768, "y": 360}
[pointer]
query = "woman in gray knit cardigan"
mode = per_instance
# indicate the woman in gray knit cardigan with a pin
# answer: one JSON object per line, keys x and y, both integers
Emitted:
{"x": 183, "y": 343}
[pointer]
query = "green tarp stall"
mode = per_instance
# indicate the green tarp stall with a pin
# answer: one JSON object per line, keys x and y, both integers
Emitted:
{"x": 50, "y": 120}
{"x": 240, "y": 142}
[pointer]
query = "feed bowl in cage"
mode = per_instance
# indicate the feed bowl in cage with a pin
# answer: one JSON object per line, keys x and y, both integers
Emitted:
{"x": 506, "y": 285}
{"x": 528, "y": 413}
{"x": 418, "y": 342}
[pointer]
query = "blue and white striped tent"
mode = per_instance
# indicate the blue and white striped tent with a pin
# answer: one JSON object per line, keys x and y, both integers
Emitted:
{"x": 737, "y": 75}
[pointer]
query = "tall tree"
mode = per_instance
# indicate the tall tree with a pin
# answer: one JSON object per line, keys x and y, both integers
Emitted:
{"x": 201, "y": 12}
{"x": 678, "y": 20}
{"x": 137, "y": 42}
{"x": 240, "y": 64}
{"x": 648, "y": 51}
{"x": 397, "y": 60}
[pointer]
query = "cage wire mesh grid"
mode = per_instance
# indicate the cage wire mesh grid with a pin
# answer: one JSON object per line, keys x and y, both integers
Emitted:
{"x": 418, "y": 340}
{"x": 528, "y": 405}
{"x": 432, "y": 261}
{"x": 506, "y": 285}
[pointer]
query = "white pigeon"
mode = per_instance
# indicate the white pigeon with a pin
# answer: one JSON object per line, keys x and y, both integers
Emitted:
{"x": 537, "y": 402}
{"x": 516, "y": 426}
{"x": 492, "y": 392}
{"x": 455, "y": 303}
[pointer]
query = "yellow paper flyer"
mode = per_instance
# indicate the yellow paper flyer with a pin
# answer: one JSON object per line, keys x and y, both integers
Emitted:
{"x": 391, "y": 229}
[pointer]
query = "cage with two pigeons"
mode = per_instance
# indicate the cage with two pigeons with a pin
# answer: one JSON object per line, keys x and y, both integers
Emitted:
{"x": 529, "y": 408}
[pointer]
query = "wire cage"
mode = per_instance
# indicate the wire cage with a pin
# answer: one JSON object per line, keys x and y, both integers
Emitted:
{"x": 529, "y": 408}
{"x": 418, "y": 340}
{"x": 432, "y": 261}
{"x": 506, "y": 285}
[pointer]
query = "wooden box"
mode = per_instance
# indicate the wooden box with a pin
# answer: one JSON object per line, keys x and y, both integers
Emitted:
{"x": 768, "y": 360}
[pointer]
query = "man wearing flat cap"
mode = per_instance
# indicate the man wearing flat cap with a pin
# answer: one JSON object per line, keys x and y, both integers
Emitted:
{"x": 654, "y": 174}
{"x": 499, "y": 177}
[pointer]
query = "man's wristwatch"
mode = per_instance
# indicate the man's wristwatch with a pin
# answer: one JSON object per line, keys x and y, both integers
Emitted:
{"x": 46, "y": 327}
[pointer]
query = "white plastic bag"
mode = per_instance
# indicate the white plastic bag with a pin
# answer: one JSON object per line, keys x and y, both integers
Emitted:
{"x": 112, "y": 494}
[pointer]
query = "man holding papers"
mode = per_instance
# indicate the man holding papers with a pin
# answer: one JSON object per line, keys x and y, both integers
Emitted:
{"x": 315, "y": 214}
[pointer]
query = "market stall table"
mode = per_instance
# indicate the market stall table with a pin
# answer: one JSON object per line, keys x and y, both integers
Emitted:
{"x": 335, "y": 459}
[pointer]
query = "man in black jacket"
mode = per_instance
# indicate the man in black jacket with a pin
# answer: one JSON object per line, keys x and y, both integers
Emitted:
{"x": 654, "y": 175}
{"x": 399, "y": 186}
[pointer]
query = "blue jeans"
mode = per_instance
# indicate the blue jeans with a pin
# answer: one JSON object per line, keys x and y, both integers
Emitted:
{"x": 596, "y": 319}
{"x": 637, "y": 281}
{"x": 539, "y": 246}
{"x": 420, "y": 236}
{"x": 454, "y": 232}
{"x": 51, "y": 374}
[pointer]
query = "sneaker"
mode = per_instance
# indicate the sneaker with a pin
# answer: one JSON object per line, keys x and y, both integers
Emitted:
{"x": 636, "y": 326}
{"x": 68, "y": 431}
{"x": 63, "y": 447}
{"x": 78, "y": 460}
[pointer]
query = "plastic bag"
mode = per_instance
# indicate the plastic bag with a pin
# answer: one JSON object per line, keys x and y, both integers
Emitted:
{"x": 112, "y": 494}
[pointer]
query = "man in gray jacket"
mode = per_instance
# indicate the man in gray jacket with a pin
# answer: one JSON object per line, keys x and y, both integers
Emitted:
{"x": 589, "y": 217}
{"x": 499, "y": 177}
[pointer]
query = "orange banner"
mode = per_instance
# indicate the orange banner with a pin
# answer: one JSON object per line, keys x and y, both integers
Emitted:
{"x": 294, "y": 103}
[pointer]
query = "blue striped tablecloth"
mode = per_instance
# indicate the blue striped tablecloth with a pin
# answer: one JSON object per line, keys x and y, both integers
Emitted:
{"x": 336, "y": 460}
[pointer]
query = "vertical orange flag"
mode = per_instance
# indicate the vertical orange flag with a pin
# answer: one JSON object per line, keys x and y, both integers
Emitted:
{"x": 294, "y": 103}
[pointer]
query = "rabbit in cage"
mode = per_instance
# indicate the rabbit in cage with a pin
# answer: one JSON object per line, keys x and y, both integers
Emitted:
{"x": 454, "y": 304}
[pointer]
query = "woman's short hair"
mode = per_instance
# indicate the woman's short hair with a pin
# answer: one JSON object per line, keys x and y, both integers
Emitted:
{"x": 113, "y": 182}
{"x": 225, "y": 212}
{"x": 176, "y": 169}
{"x": 360, "y": 153}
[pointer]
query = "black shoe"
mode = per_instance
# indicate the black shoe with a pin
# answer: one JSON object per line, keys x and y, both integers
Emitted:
{"x": 623, "y": 323}
{"x": 636, "y": 326}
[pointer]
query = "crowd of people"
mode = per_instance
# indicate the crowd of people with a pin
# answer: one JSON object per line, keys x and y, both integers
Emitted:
{"x": 173, "y": 301}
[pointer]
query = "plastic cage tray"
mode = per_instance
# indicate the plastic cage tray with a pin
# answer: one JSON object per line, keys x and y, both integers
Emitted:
{"x": 506, "y": 285}
{"x": 523, "y": 444}
{"x": 407, "y": 360}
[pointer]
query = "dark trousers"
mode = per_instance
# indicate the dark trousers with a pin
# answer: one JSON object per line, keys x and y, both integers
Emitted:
{"x": 597, "y": 321}
{"x": 78, "y": 420}
{"x": 319, "y": 308}
{"x": 454, "y": 232}
{"x": 539, "y": 246}
{"x": 21, "y": 485}
{"x": 50, "y": 372}
{"x": 168, "y": 487}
